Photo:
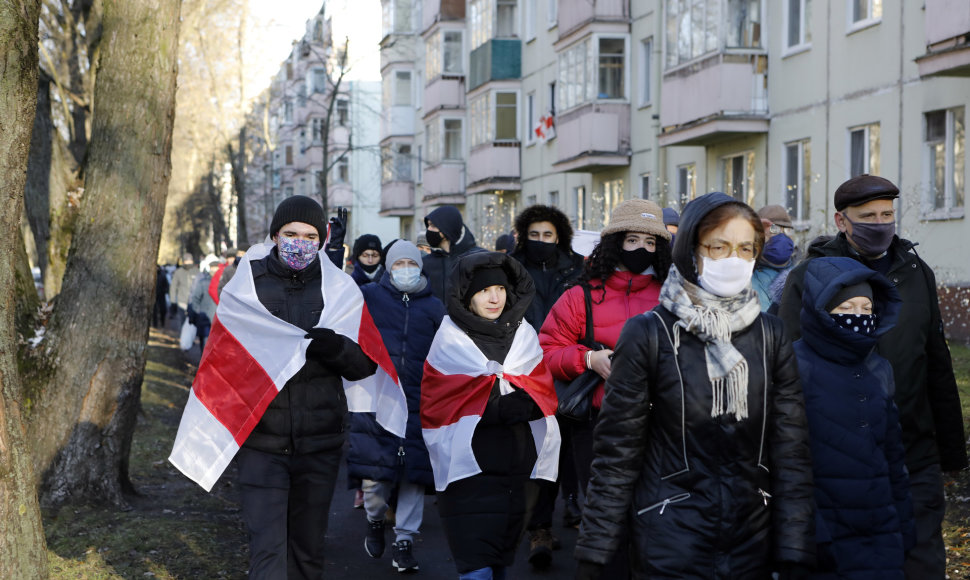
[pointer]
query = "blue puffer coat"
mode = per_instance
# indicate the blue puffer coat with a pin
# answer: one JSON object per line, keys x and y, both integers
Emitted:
{"x": 864, "y": 516}
{"x": 407, "y": 323}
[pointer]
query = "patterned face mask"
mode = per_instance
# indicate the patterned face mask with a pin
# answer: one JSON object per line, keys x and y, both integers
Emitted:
{"x": 864, "y": 324}
{"x": 296, "y": 253}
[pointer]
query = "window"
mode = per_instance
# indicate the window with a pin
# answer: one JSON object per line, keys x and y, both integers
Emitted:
{"x": 420, "y": 162}
{"x": 287, "y": 112}
{"x": 479, "y": 113}
{"x": 301, "y": 95}
{"x": 506, "y": 117}
{"x": 797, "y": 170}
{"x": 530, "y": 200}
{"x": 319, "y": 178}
{"x": 573, "y": 75}
{"x": 798, "y": 16}
{"x": 945, "y": 144}
{"x": 691, "y": 29}
{"x": 554, "y": 198}
{"x": 480, "y": 22}
{"x": 611, "y": 55}
{"x": 738, "y": 172}
{"x": 644, "y": 186}
{"x": 686, "y": 183}
{"x": 530, "y": 117}
{"x": 602, "y": 204}
{"x": 343, "y": 111}
{"x": 431, "y": 140}
{"x": 864, "y": 150}
{"x": 302, "y": 189}
{"x": 743, "y": 24}
{"x": 452, "y": 144}
{"x": 552, "y": 98}
{"x": 318, "y": 31}
{"x": 402, "y": 163}
{"x": 530, "y": 19}
{"x": 316, "y": 128}
{"x": 319, "y": 80}
{"x": 580, "y": 207}
{"x": 505, "y": 18}
{"x": 396, "y": 16}
{"x": 579, "y": 76}
{"x": 341, "y": 172}
{"x": 443, "y": 53}
{"x": 288, "y": 192}
{"x": 302, "y": 140}
{"x": 277, "y": 179}
{"x": 402, "y": 88}
{"x": 288, "y": 155}
{"x": 552, "y": 12}
{"x": 646, "y": 58}
{"x": 864, "y": 11}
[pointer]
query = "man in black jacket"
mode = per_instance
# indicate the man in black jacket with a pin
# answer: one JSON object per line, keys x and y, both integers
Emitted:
{"x": 288, "y": 464}
{"x": 449, "y": 239}
{"x": 926, "y": 391}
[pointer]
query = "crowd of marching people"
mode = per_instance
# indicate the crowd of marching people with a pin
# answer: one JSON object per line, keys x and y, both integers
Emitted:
{"x": 706, "y": 399}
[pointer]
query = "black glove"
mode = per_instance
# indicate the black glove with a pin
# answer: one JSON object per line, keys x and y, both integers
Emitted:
{"x": 324, "y": 343}
{"x": 338, "y": 228}
{"x": 588, "y": 570}
{"x": 190, "y": 314}
{"x": 793, "y": 571}
{"x": 517, "y": 407}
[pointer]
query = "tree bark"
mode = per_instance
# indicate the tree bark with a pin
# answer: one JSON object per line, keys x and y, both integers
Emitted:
{"x": 82, "y": 422}
{"x": 21, "y": 532}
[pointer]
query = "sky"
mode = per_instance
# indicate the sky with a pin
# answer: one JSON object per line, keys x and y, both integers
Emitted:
{"x": 280, "y": 22}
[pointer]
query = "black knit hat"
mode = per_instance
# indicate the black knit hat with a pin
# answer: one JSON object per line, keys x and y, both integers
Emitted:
{"x": 367, "y": 242}
{"x": 298, "y": 208}
{"x": 482, "y": 279}
{"x": 860, "y": 289}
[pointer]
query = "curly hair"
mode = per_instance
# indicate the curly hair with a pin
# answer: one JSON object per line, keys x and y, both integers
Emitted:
{"x": 543, "y": 213}
{"x": 605, "y": 257}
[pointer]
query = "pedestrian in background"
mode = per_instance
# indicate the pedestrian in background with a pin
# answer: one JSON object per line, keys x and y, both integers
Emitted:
{"x": 777, "y": 258}
{"x": 180, "y": 290}
{"x": 450, "y": 239}
{"x": 202, "y": 303}
{"x": 367, "y": 259}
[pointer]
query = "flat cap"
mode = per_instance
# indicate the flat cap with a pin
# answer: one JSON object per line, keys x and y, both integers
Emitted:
{"x": 776, "y": 215}
{"x": 863, "y": 189}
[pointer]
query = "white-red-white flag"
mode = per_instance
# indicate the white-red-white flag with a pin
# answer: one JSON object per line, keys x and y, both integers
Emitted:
{"x": 454, "y": 391}
{"x": 545, "y": 129}
{"x": 251, "y": 354}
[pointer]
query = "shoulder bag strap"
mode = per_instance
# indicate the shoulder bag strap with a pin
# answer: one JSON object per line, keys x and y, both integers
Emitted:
{"x": 589, "y": 340}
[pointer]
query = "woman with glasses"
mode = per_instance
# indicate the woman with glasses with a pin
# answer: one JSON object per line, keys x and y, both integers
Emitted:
{"x": 701, "y": 449}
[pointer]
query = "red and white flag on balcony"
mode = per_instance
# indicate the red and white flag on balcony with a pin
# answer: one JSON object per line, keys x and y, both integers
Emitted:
{"x": 251, "y": 354}
{"x": 545, "y": 129}
{"x": 454, "y": 391}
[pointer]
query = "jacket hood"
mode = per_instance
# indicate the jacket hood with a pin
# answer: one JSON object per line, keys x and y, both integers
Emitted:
{"x": 448, "y": 220}
{"x": 824, "y": 278}
{"x": 543, "y": 213}
{"x": 520, "y": 294}
{"x": 686, "y": 240}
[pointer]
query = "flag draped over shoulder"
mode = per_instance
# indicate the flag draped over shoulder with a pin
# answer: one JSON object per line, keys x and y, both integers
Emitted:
{"x": 251, "y": 354}
{"x": 454, "y": 391}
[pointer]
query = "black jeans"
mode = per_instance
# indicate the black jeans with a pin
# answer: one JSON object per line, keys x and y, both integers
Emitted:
{"x": 286, "y": 505}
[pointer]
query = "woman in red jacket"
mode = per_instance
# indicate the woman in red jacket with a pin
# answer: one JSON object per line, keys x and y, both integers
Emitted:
{"x": 624, "y": 274}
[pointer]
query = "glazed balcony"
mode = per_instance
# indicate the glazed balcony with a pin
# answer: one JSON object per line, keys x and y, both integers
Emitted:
{"x": 397, "y": 198}
{"x": 593, "y": 136}
{"x": 574, "y": 14}
{"x": 444, "y": 182}
{"x": 444, "y": 92}
{"x": 947, "y": 26}
{"x": 433, "y": 11}
{"x": 497, "y": 59}
{"x": 494, "y": 166}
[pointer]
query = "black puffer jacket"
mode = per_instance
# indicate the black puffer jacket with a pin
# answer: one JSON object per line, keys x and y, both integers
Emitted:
{"x": 926, "y": 390}
{"x": 550, "y": 279}
{"x": 307, "y": 415}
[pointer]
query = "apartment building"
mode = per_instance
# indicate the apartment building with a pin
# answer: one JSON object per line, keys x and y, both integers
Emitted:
{"x": 318, "y": 142}
{"x": 583, "y": 104}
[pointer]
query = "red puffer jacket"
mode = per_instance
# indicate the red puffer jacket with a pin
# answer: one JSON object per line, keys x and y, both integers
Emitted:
{"x": 627, "y": 295}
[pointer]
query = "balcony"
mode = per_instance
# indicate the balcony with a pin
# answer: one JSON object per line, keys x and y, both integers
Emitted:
{"x": 397, "y": 120}
{"x": 340, "y": 195}
{"x": 397, "y": 198}
{"x": 444, "y": 183}
{"x": 947, "y": 25}
{"x": 574, "y": 14}
{"x": 444, "y": 92}
{"x": 717, "y": 98}
{"x": 592, "y": 137}
{"x": 433, "y": 11}
{"x": 497, "y": 59}
{"x": 494, "y": 166}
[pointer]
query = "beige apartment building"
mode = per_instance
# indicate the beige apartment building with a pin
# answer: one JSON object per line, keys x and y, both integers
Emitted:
{"x": 582, "y": 104}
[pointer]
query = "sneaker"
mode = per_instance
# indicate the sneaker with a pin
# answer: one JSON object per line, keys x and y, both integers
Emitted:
{"x": 359, "y": 500}
{"x": 403, "y": 560}
{"x": 540, "y": 548}
{"x": 374, "y": 540}
{"x": 572, "y": 515}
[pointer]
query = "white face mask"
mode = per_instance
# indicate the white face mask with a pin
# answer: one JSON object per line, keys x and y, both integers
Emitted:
{"x": 406, "y": 279}
{"x": 725, "y": 277}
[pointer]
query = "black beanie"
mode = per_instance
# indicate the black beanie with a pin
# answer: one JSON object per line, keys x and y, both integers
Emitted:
{"x": 482, "y": 279}
{"x": 366, "y": 242}
{"x": 299, "y": 208}
{"x": 860, "y": 289}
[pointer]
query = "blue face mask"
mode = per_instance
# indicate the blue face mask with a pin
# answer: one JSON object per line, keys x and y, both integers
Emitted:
{"x": 406, "y": 279}
{"x": 778, "y": 250}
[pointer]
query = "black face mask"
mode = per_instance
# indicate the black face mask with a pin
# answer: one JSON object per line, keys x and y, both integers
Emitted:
{"x": 539, "y": 252}
{"x": 637, "y": 260}
{"x": 864, "y": 324}
{"x": 369, "y": 269}
{"x": 434, "y": 238}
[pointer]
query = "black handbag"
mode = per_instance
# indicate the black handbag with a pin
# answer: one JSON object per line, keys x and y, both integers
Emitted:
{"x": 576, "y": 396}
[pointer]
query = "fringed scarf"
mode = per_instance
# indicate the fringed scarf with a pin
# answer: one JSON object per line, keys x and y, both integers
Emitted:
{"x": 713, "y": 319}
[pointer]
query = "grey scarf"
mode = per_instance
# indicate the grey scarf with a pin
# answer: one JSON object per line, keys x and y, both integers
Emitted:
{"x": 713, "y": 319}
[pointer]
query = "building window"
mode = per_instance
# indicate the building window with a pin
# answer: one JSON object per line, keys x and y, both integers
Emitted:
{"x": 443, "y": 53}
{"x": 319, "y": 178}
{"x": 506, "y": 117}
{"x": 431, "y": 140}
{"x": 301, "y": 95}
{"x": 798, "y": 176}
{"x": 603, "y": 203}
{"x": 574, "y": 75}
{"x": 554, "y": 199}
{"x": 692, "y": 29}
{"x": 396, "y": 16}
{"x": 580, "y": 207}
{"x": 277, "y": 179}
{"x": 505, "y": 18}
{"x": 686, "y": 183}
{"x": 316, "y": 128}
{"x": 288, "y": 156}
{"x": 480, "y": 22}
{"x": 611, "y": 56}
{"x": 288, "y": 191}
{"x": 302, "y": 188}
{"x": 552, "y": 98}
{"x": 644, "y": 186}
{"x": 531, "y": 119}
{"x": 420, "y": 162}
{"x": 478, "y": 117}
{"x": 530, "y": 19}
{"x": 945, "y": 144}
{"x": 864, "y": 150}
{"x": 341, "y": 172}
{"x": 743, "y": 24}
{"x": 552, "y": 12}
{"x": 402, "y": 163}
{"x": 646, "y": 64}
{"x": 579, "y": 77}
{"x": 738, "y": 172}
{"x": 402, "y": 88}
{"x": 318, "y": 31}
{"x": 864, "y": 11}
{"x": 530, "y": 200}
{"x": 319, "y": 77}
{"x": 287, "y": 112}
{"x": 452, "y": 142}
{"x": 798, "y": 30}
{"x": 343, "y": 112}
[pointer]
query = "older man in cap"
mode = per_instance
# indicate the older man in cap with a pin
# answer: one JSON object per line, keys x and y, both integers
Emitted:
{"x": 926, "y": 391}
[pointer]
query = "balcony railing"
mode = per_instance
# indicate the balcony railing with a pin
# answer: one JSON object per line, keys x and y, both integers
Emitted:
{"x": 444, "y": 92}
{"x": 397, "y": 198}
{"x": 445, "y": 180}
{"x": 947, "y": 25}
{"x": 593, "y": 136}
{"x": 494, "y": 166}
{"x": 574, "y": 13}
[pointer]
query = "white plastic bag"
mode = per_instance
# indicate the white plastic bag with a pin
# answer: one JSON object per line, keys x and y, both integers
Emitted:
{"x": 187, "y": 338}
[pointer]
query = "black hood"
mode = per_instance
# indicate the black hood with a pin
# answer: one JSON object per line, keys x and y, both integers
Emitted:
{"x": 448, "y": 220}
{"x": 686, "y": 240}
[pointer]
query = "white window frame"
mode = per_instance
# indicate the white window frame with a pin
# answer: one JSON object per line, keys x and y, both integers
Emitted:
{"x": 342, "y": 166}
{"x": 747, "y": 177}
{"x": 529, "y": 14}
{"x": 799, "y": 207}
{"x": 531, "y": 118}
{"x": 481, "y": 22}
{"x": 552, "y": 13}
{"x": 318, "y": 76}
{"x": 625, "y": 77}
{"x": 645, "y": 185}
{"x": 495, "y": 117}
{"x": 579, "y": 71}
{"x": 444, "y": 52}
{"x": 396, "y": 94}
{"x": 686, "y": 183}
{"x": 804, "y": 27}
{"x": 513, "y": 21}
{"x": 459, "y": 154}
{"x": 870, "y": 157}
{"x": 872, "y": 14}
{"x": 954, "y": 166}
{"x": 646, "y": 69}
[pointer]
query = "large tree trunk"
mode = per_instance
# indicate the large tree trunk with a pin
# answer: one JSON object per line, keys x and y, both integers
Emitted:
{"x": 21, "y": 533}
{"x": 82, "y": 423}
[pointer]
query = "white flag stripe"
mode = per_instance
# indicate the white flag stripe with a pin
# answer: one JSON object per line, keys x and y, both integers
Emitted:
{"x": 450, "y": 451}
{"x": 545, "y": 433}
{"x": 454, "y": 353}
{"x": 213, "y": 449}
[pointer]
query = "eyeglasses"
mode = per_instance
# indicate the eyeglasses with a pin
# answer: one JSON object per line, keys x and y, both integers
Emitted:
{"x": 775, "y": 229}
{"x": 720, "y": 250}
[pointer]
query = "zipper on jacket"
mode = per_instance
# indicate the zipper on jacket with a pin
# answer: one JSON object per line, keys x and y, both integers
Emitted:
{"x": 663, "y": 504}
{"x": 400, "y": 454}
{"x": 407, "y": 317}
{"x": 765, "y": 496}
